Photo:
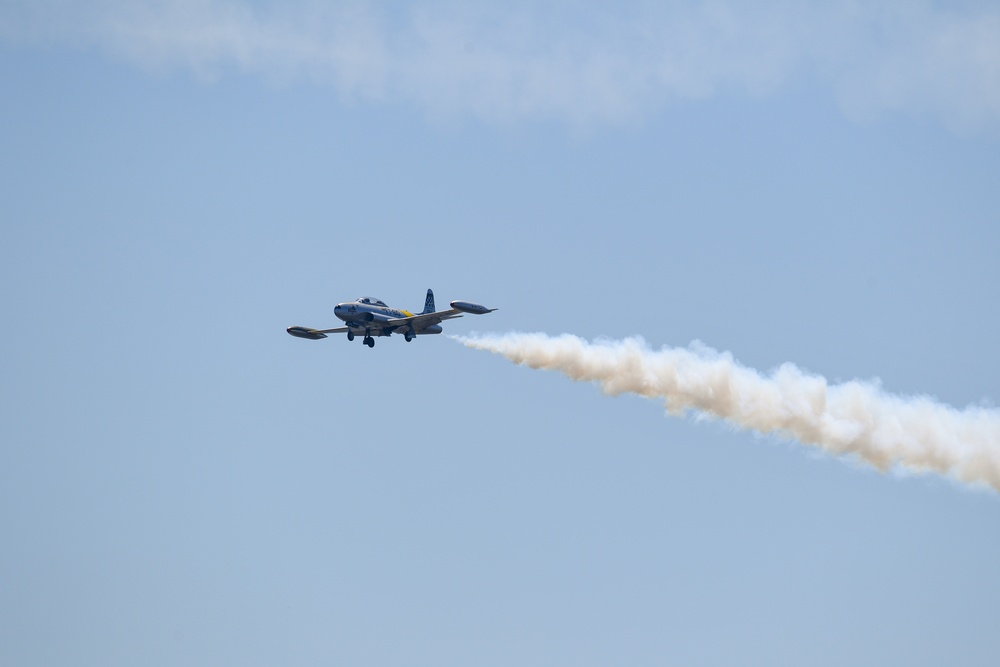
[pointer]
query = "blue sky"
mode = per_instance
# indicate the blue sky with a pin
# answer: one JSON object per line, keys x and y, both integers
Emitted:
{"x": 181, "y": 481}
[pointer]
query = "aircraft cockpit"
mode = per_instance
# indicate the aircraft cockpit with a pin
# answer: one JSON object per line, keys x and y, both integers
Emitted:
{"x": 372, "y": 302}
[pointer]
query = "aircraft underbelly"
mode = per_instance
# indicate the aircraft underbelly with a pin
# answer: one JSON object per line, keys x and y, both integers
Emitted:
{"x": 369, "y": 327}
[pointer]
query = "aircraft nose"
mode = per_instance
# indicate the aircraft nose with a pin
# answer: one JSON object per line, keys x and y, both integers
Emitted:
{"x": 338, "y": 310}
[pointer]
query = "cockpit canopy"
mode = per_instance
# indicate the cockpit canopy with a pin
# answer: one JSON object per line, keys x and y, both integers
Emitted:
{"x": 372, "y": 301}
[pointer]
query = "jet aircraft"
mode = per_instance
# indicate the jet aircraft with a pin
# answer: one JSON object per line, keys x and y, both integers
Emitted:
{"x": 370, "y": 317}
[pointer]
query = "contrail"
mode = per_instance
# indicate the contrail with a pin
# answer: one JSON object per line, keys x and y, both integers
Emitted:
{"x": 856, "y": 419}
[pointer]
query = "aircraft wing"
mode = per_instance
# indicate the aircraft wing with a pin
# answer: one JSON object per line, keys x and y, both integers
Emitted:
{"x": 419, "y": 322}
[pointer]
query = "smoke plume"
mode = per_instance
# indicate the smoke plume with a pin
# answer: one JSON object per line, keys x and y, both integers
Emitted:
{"x": 856, "y": 419}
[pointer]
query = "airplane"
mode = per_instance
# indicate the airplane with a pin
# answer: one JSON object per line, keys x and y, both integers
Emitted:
{"x": 371, "y": 317}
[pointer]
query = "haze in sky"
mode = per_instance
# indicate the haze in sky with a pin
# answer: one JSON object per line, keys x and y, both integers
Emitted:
{"x": 810, "y": 189}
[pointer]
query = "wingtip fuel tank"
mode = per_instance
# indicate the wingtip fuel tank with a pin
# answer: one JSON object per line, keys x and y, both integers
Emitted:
{"x": 471, "y": 308}
{"x": 305, "y": 332}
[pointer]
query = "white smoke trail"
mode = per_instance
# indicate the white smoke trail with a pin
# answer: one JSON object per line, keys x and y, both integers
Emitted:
{"x": 857, "y": 419}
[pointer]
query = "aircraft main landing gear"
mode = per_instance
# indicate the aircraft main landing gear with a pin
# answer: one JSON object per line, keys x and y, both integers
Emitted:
{"x": 369, "y": 341}
{"x": 350, "y": 335}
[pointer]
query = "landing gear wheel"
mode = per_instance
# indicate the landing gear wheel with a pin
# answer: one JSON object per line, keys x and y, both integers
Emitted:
{"x": 370, "y": 342}
{"x": 350, "y": 335}
{"x": 408, "y": 338}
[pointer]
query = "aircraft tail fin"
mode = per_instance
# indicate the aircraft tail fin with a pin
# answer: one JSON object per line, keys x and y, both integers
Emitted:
{"x": 429, "y": 303}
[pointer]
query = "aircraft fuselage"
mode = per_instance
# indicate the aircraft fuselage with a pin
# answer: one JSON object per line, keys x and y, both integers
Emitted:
{"x": 371, "y": 316}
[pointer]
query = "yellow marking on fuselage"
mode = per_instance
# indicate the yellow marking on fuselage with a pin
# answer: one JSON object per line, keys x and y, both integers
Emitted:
{"x": 407, "y": 313}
